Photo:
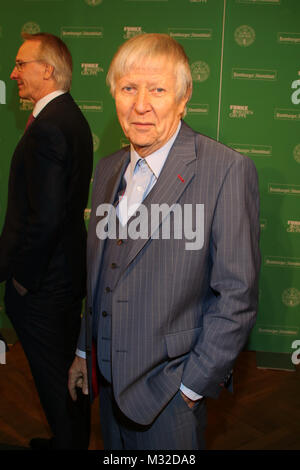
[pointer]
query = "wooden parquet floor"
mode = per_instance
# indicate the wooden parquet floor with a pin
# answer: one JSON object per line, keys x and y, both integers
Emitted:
{"x": 262, "y": 414}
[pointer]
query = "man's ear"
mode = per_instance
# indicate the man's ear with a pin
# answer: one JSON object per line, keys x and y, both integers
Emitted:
{"x": 49, "y": 70}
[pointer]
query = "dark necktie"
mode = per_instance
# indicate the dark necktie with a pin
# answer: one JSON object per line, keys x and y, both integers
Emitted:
{"x": 29, "y": 121}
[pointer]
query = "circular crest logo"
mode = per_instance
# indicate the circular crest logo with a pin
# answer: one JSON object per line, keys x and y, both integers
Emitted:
{"x": 31, "y": 28}
{"x": 291, "y": 297}
{"x": 96, "y": 142}
{"x": 200, "y": 71}
{"x": 296, "y": 153}
{"x": 93, "y": 3}
{"x": 244, "y": 35}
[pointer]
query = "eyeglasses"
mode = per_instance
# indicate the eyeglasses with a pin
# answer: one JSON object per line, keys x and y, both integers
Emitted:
{"x": 19, "y": 63}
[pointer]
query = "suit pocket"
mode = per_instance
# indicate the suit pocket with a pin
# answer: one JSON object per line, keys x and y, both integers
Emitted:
{"x": 182, "y": 342}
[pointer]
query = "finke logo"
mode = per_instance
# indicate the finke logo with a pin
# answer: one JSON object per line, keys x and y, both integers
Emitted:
{"x": 26, "y": 105}
{"x": 2, "y": 92}
{"x": 244, "y": 36}
{"x": 291, "y": 297}
{"x": 240, "y": 111}
{"x": 200, "y": 71}
{"x": 131, "y": 31}
{"x": 296, "y": 94}
{"x": 31, "y": 28}
{"x": 91, "y": 70}
{"x": 293, "y": 226}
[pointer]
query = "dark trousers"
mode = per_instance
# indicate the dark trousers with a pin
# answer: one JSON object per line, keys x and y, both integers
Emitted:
{"x": 47, "y": 324}
{"x": 176, "y": 428}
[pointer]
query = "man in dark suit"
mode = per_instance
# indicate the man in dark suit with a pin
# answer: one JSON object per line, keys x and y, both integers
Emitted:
{"x": 43, "y": 242}
{"x": 168, "y": 311}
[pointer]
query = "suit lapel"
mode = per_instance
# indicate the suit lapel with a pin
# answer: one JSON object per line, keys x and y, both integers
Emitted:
{"x": 104, "y": 194}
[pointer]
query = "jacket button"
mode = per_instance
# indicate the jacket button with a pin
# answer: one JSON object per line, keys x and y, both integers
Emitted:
{"x": 113, "y": 265}
{"x": 104, "y": 313}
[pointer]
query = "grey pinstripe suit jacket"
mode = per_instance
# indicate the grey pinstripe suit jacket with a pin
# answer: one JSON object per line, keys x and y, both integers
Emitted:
{"x": 180, "y": 315}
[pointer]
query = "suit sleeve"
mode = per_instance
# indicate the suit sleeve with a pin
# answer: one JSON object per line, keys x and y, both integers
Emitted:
{"x": 230, "y": 306}
{"x": 46, "y": 182}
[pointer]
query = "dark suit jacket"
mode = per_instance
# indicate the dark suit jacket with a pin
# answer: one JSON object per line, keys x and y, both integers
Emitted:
{"x": 180, "y": 315}
{"x": 44, "y": 237}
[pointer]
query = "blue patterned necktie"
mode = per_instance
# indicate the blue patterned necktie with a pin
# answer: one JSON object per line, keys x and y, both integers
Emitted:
{"x": 136, "y": 191}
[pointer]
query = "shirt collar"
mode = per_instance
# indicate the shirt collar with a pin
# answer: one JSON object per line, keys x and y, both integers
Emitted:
{"x": 40, "y": 104}
{"x": 155, "y": 160}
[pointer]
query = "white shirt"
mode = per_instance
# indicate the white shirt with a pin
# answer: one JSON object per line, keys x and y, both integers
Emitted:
{"x": 40, "y": 104}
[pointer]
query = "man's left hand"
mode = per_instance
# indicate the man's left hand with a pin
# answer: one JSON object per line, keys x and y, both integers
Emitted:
{"x": 190, "y": 403}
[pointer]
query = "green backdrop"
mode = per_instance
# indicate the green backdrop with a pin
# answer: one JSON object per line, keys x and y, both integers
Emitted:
{"x": 244, "y": 57}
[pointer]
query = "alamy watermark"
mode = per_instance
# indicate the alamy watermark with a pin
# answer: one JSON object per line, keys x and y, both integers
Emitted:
{"x": 160, "y": 222}
{"x": 296, "y": 354}
{"x": 2, "y": 352}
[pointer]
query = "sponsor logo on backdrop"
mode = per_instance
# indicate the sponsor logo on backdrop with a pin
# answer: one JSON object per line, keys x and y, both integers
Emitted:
{"x": 291, "y": 297}
{"x": 198, "y": 1}
{"x": 288, "y": 38}
{"x": 281, "y": 262}
{"x": 87, "y": 214}
{"x": 131, "y": 31}
{"x": 124, "y": 142}
{"x": 296, "y": 354}
{"x": 31, "y": 28}
{"x": 296, "y": 153}
{"x": 93, "y": 32}
{"x": 263, "y": 224}
{"x": 91, "y": 70}
{"x": 93, "y": 3}
{"x": 240, "y": 111}
{"x": 90, "y": 106}
{"x": 284, "y": 189}
{"x": 197, "y": 108}
{"x": 200, "y": 71}
{"x": 295, "y": 98}
{"x": 293, "y": 226}
{"x": 277, "y": 330}
{"x": 26, "y": 105}
{"x": 286, "y": 114}
{"x": 253, "y": 150}
{"x": 244, "y": 36}
{"x": 190, "y": 33}
{"x": 2, "y": 92}
{"x": 96, "y": 142}
{"x": 254, "y": 74}
{"x": 258, "y": 2}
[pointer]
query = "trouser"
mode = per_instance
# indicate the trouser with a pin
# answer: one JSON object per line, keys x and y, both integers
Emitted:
{"x": 177, "y": 427}
{"x": 47, "y": 325}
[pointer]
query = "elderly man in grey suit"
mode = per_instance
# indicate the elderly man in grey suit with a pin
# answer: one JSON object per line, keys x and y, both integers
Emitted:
{"x": 167, "y": 316}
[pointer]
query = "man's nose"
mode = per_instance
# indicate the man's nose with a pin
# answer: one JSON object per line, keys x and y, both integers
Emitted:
{"x": 142, "y": 103}
{"x": 14, "y": 74}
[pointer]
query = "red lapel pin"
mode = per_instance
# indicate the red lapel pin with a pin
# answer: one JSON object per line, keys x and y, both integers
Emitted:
{"x": 181, "y": 179}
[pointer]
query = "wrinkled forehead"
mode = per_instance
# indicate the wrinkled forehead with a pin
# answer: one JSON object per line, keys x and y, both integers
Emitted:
{"x": 144, "y": 64}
